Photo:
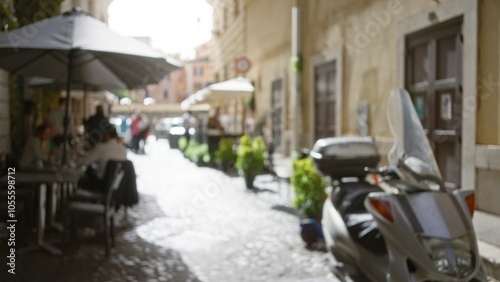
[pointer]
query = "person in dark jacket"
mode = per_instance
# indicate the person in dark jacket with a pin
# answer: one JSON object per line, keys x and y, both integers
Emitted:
{"x": 127, "y": 194}
{"x": 98, "y": 158}
{"x": 96, "y": 125}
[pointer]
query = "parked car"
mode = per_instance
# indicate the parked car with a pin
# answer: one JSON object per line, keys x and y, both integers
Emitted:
{"x": 177, "y": 131}
{"x": 162, "y": 127}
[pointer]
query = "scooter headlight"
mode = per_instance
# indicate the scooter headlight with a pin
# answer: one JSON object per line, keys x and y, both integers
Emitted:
{"x": 451, "y": 257}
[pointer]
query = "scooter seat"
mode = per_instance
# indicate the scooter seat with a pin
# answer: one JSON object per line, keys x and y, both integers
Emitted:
{"x": 349, "y": 200}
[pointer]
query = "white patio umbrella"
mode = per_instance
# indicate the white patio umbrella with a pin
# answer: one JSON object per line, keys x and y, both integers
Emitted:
{"x": 76, "y": 49}
{"x": 239, "y": 87}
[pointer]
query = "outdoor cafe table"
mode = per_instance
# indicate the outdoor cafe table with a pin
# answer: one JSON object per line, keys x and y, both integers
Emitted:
{"x": 39, "y": 179}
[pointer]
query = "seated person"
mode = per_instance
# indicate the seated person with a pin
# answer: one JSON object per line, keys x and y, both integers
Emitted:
{"x": 56, "y": 121}
{"x": 110, "y": 149}
{"x": 36, "y": 150}
{"x": 214, "y": 125}
{"x": 94, "y": 126}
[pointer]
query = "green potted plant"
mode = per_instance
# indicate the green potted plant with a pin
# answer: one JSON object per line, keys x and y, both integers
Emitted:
{"x": 250, "y": 158}
{"x": 225, "y": 156}
{"x": 199, "y": 154}
{"x": 183, "y": 145}
{"x": 186, "y": 147}
{"x": 309, "y": 187}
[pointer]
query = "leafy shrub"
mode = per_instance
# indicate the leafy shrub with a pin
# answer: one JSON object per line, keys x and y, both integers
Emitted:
{"x": 199, "y": 152}
{"x": 194, "y": 151}
{"x": 250, "y": 155}
{"x": 182, "y": 142}
{"x": 224, "y": 152}
{"x": 309, "y": 187}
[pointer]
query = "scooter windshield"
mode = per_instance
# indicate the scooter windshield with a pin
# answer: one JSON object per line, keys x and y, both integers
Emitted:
{"x": 411, "y": 145}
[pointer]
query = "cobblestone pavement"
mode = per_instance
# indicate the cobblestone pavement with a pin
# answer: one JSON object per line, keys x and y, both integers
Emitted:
{"x": 223, "y": 231}
{"x": 192, "y": 224}
{"x": 133, "y": 259}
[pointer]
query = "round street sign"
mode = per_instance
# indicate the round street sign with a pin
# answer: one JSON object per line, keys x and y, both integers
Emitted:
{"x": 242, "y": 65}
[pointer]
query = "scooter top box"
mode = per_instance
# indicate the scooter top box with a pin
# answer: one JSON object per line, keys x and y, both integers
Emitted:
{"x": 339, "y": 157}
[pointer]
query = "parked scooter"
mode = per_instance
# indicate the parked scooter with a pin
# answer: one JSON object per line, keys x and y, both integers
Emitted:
{"x": 415, "y": 228}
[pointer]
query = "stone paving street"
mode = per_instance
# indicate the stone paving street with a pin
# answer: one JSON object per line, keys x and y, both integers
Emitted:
{"x": 192, "y": 224}
{"x": 133, "y": 259}
{"x": 223, "y": 231}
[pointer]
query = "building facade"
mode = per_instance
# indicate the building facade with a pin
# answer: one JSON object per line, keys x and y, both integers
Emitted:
{"x": 353, "y": 53}
{"x": 166, "y": 90}
{"x": 97, "y": 8}
{"x": 198, "y": 71}
{"x": 194, "y": 75}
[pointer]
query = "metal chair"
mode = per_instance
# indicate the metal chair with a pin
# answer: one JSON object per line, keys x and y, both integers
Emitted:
{"x": 113, "y": 177}
{"x": 127, "y": 195}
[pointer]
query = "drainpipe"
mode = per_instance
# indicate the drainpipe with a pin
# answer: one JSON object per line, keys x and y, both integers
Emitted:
{"x": 295, "y": 63}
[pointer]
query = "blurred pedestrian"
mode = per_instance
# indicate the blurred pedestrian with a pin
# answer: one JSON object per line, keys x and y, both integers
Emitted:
{"x": 36, "y": 151}
{"x": 96, "y": 125}
{"x": 134, "y": 128}
{"x": 143, "y": 130}
{"x": 214, "y": 125}
{"x": 97, "y": 159}
{"x": 187, "y": 124}
{"x": 56, "y": 121}
{"x": 215, "y": 130}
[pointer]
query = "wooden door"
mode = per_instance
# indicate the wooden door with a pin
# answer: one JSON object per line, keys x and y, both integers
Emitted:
{"x": 434, "y": 80}
{"x": 324, "y": 100}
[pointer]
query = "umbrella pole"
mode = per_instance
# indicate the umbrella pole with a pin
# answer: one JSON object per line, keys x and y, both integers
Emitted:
{"x": 85, "y": 102}
{"x": 66, "y": 110}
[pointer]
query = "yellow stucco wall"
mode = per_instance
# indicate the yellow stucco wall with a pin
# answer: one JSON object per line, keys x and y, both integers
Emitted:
{"x": 488, "y": 110}
{"x": 268, "y": 47}
{"x": 261, "y": 31}
{"x": 367, "y": 30}
{"x": 228, "y": 43}
{"x": 228, "y": 38}
{"x": 370, "y": 57}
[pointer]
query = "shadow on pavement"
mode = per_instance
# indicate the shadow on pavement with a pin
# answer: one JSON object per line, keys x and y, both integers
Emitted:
{"x": 132, "y": 259}
{"x": 258, "y": 190}
{"x": 289, "y": 210}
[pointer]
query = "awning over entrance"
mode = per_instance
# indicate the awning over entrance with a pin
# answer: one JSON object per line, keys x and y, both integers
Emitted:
{"x": 239, "y": 87}
{"x": 160, "y": 108}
